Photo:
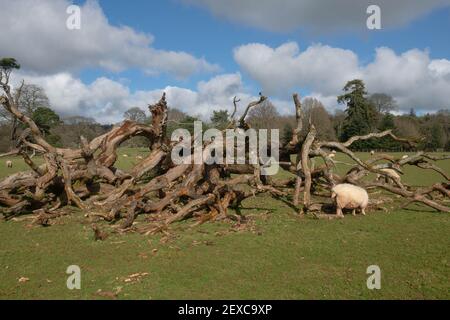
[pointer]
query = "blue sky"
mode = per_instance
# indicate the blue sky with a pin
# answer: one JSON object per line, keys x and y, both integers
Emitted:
{"x": 180, "y": 26}
{"x": 204, "y": 52}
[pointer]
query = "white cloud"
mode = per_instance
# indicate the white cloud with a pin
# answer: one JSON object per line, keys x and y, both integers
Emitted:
{"x": 106, "y": 100}
{"x": 324, "y": 15}
{"x": 440, "y": 68}
{"x": 412, "y": 77}
{"x": 214, "y": 94}
{"x": 35, "y": 33}
{"x": 285, "y": 67}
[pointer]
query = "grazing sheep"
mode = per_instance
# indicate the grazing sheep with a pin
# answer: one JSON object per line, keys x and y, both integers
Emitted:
{"x": 391, "y": 175}
{"x": 9, "y": 164}
{"x": 405, "y": 157}
{"x": 125, "y": 156}
{"x": 372, "y": 153}
{"x": 348, "y": 196}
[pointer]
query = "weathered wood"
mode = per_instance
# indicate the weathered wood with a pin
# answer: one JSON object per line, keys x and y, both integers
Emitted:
{"x": 166, "y": 193}
{"x": 305, "y": 166}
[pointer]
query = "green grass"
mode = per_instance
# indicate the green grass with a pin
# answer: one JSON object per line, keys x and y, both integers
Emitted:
{"x": 279, "y": 256}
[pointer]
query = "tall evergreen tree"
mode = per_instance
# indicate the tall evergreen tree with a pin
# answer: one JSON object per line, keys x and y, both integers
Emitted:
{"x": 361, "y": 116}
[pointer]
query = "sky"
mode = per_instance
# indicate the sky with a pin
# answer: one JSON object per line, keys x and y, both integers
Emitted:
{"x": 202, "y": 53}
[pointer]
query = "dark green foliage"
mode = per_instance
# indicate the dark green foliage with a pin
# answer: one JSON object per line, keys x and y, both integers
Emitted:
{"x": 434, "y": 139}
{"x": 447, "y": 146}
{"x": 387, "y": 143}
{"x": 54, "y": 140}
{"x": 387, "y": 122}
{"x": 338, "y": 121}
{"x": 435, "y": 128}
{"x": 45, "y": 118}
{"x": 361, "y": 116}
{"x": 8, "y": 64}
{"x": 286, "y": 135}
{"x": 220, "y": 119}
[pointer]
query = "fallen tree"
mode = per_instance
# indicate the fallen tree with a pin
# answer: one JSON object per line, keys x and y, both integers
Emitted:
{"x": 167, "y": 192}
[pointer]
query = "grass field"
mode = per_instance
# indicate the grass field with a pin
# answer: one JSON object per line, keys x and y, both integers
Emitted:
{"x": 278, "y": 256}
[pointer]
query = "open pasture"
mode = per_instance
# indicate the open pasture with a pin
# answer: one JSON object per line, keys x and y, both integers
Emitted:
{"x": 277, "y": 255}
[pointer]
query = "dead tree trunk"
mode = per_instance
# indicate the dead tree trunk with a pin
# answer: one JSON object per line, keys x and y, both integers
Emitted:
{"x": 88, "y": 179}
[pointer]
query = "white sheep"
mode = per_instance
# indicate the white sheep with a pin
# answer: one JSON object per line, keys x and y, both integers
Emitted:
{"x": 405, "y": 157}
{"x": 9, "y": 164}
{"x": 125, "y": 155}
{"x": 372, "y": 153}
{"x": 348, "y": 196}
{"x": 391, "y": 175}
{"x": 140, "y": 158}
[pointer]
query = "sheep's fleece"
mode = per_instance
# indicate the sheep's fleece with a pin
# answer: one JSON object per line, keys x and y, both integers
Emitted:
{"x": 349, "y": 196}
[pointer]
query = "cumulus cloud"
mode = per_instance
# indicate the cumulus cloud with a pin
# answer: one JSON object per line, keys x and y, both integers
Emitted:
{"x": 324, "y": 15}
{"x": 280, "y": 69}
{"x": 106, "y": 100}
{"x": 35, "y": 33}
{"x": 214, "y": 94}
{"x": 413, "y": 78}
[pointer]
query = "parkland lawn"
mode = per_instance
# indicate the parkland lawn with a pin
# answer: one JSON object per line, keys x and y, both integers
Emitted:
{"x": 277, "y": 255}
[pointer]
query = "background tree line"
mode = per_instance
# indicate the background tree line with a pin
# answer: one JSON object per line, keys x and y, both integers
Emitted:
{"x": 363, "y": 113}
